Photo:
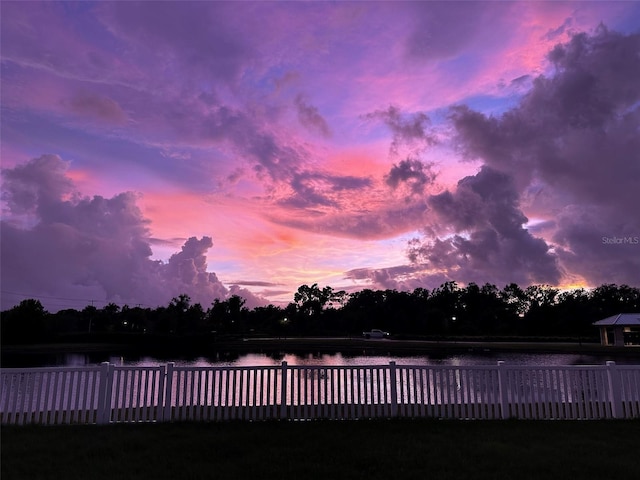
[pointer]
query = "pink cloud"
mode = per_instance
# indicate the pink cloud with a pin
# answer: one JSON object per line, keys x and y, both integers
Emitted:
{"x": 246, "y": 123}
{"x": 76, "y": 246}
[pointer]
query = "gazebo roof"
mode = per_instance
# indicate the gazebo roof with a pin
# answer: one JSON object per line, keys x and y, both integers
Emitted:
{"x": 621, "y": 320}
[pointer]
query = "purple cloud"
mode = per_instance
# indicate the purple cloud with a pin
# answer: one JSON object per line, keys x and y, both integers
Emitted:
{"x": 42, "y": 38}
{"x": 309, "y": 116}
{"x": 250, "y": 115}
{"x": 597, "y": 247}
{"x": 357, "y": 221}
{"x": 408, "y": 129}
{"x": 32, "y": 188}
{"x": 574, "y": 130}
{"x": 554, "y": 33}
{"x": 401, "y": 277}
{"x": 489, "y": 242}
{"x": 412, "y": 173}
{"x": 200, "y": 38}
{"x": 270, "y": 157}
{"x": 98, "y": 107}
{"x": 97, "y": 248}
{"x": 572, "y": 138}
{"x": 255, "y": 283}
{"x": 312, "y": 189}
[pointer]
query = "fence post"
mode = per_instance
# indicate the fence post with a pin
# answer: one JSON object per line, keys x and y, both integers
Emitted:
{"x": 103, "y": 415}
{"x": 394, "y": 389}
{"x": 283, "y": 392}
{"x": 615, "y": 391}
{"x": 168, "y": 389}
{"x": 503, "y": 399}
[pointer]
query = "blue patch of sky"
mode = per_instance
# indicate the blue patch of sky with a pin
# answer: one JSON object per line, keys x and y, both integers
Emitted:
{"x": 491, "y": 104}
{"x": 85, "y": 20}
{"x": 265, "y": 82}
{"x": 224, "y": 269}
{"x": 462, "y": 67}
{"x": 374, "y": 129}
{"x": 629, "y": 22}
{"x": 399, "y": 243}
{"x": 439, "y": 116}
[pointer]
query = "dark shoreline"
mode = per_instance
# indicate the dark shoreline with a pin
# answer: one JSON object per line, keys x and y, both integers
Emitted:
{"x": 324, "y": 345}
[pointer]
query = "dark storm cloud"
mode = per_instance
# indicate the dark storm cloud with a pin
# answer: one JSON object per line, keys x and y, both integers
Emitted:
{"x": 488, "y": 197}
{"x": 91, "y": 248}
{"x": 309, "y": 116}
{"x": 489, "y": 242}
{"x": 576, "y": 129}
{"x": 411, "y": 172}
{"x": 321, "y": 189}
{"x": 577, "y": 133}
{"x": 407, "y": 129}
{"x": 597, "y": 248}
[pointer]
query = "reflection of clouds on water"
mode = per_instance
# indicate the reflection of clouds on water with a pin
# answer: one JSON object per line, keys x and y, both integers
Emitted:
{"x": 75, "y": 360}
{"x": 228, "y": 359}
{"x": 252, "y": 359}
{"x": 462, "y": 360}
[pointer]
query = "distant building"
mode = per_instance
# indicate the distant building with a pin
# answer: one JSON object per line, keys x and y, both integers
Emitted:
{"x": 620, "y": 330}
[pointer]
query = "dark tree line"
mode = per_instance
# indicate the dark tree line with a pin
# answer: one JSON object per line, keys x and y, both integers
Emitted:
{"x": 447, "y": 311}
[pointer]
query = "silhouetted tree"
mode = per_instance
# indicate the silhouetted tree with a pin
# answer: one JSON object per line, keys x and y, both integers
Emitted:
{"x": 24, "y": 323}
{"x": 539, "y": 310}
{"x": 228, "y": 316}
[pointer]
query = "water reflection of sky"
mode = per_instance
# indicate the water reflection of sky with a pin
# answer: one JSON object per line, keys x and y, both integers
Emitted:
{"x": 325, "y": 359}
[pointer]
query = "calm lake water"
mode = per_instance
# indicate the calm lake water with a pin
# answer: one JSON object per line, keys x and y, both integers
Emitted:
{"x": 333, "y": 359}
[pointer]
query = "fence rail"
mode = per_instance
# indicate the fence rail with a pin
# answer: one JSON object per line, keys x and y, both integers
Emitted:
{"x": 113, "y": 394}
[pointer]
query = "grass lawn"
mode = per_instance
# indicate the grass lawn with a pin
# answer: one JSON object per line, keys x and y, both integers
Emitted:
{"x": 397, "y": 449}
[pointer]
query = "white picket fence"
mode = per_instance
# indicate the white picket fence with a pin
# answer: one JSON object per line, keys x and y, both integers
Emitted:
{"x": 109, "y": 393}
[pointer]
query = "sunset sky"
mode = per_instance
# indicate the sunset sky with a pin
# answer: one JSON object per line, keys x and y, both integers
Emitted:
{"x": 217, "y": 148}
